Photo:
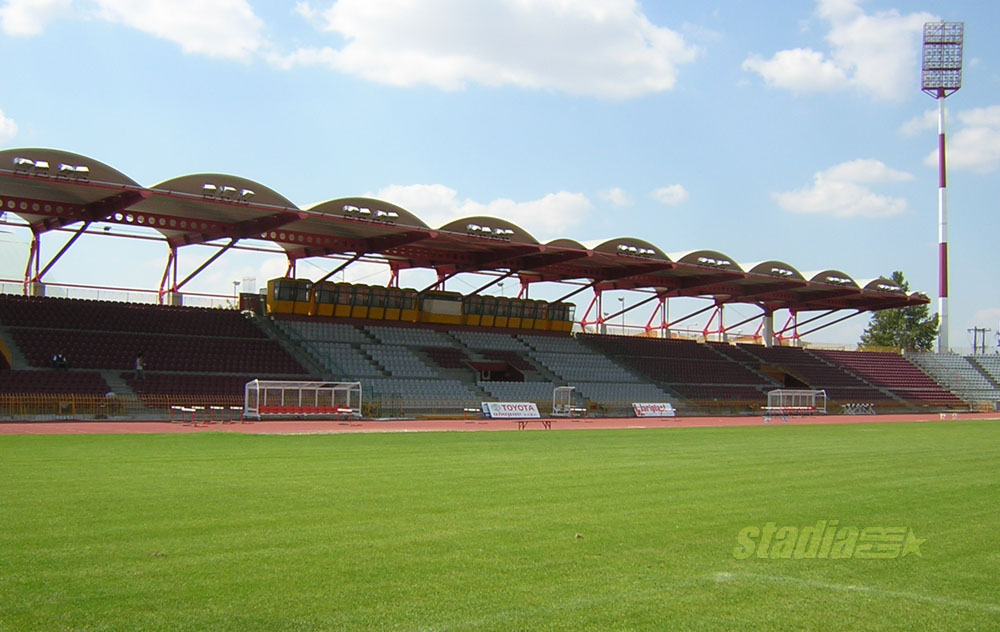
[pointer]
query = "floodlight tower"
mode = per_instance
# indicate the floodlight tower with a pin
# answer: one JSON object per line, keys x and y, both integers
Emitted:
{"x": 940, "y": 77}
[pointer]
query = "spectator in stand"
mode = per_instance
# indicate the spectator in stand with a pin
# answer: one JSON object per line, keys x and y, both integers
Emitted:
{"x": 140, "y": 367}
{"x": 59, "y": 361}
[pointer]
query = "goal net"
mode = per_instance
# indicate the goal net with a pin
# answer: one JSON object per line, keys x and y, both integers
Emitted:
{"x": 298, "y": 398}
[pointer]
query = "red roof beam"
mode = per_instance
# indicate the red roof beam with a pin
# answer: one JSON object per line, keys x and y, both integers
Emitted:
{"x": 209, "y": 230}
{"x": 375, "y": 245}
{"x": 60, "y": 215}
{"x": 626, "y": 271}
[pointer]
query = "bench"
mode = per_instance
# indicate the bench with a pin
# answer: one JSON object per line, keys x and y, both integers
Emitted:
{"x": 337, "y": 412}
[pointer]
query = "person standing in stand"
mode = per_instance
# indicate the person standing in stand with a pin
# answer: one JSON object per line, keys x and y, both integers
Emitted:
{"x": 140, "y": 367}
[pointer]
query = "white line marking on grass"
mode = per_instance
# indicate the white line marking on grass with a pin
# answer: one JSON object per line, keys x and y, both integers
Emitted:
{"x": 851, "y": 588}
{"x": 579, "y": 603}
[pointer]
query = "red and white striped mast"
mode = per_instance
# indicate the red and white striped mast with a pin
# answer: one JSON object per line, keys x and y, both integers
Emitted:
{"x": 940, "y": 77}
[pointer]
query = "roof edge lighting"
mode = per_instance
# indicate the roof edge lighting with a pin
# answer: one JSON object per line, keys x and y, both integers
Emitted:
{"x": 364, "y": 213}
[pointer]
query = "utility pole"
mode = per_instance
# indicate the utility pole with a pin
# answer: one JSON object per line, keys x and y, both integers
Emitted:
{"x": 975, "y": 339}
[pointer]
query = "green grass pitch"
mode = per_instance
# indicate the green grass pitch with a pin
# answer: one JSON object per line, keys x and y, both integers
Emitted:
{"x": 541, "y": 530}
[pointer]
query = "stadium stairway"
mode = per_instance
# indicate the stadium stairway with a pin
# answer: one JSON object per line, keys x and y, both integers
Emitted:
{"x": 17, "y": 359}
{"x": 117, "y": 385}
{"x": 462, "y": 375}
{"x": 295, "y": 347}
{"x": 469, "y": 377}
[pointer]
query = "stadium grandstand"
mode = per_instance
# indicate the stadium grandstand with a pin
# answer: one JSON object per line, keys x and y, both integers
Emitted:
{"x": 423, "y": 351}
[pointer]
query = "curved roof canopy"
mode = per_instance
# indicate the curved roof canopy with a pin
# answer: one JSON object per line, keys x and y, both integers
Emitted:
{"x": 206, "y": 206}
{"x": 50, "y": 189}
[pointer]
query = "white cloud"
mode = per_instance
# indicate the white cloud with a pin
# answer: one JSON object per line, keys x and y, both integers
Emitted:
{"x": 672, "y": 195}
{"x": 29, "y": 17}
{"x": 605, "y": 48}
{"x": 549, "y": 217}
{"x": 841, "y": 191}
{"x": 875, "y": 53}
{"x": 226, "y": 29}
{"x": 615, "y": 196}
{"x": 798, "y": 70}
{"x": 306, "y": 11}
{"x": 988, "y": 317}
{"x": 8, "y": 128}
{"x": 975, "y": 146}
{"x": 921, "y": 123}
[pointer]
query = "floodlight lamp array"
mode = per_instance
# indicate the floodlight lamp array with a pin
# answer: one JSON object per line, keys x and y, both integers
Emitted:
{"x": 941, "y": 71}
{"x": 628, "y": 250}
{"x": 73, "y": 172}
{"x": 28, "y": 166}
{"x": 226, "y": 193}
{"x": 381, "y": 216}
{"x": 31, "y": 167}
{"x": 715, "y": 263}
{"x": 488, "y": 232}
{"x": 835, "y": 280}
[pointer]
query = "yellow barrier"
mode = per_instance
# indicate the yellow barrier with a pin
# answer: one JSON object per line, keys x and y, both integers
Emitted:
{"x": 64, "y": 405}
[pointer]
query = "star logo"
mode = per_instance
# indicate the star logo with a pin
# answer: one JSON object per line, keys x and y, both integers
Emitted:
{"x": 912, "y": 544}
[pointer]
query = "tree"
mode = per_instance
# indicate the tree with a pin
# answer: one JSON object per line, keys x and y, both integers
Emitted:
{"x": 909, "y": 328}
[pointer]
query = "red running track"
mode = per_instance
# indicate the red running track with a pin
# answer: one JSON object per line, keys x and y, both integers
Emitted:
{"x": 417, "y": 425}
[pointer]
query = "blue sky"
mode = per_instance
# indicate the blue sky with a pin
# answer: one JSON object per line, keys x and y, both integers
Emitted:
{"x": 796, "y": 131}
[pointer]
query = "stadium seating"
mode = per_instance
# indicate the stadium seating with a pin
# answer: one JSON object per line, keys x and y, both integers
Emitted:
{"x": 538, "y": 392}
{"x": 446, "y": 357}
{"x": 698, "y": 373}
{"x": 959, "y": 374}
{"x": 989, "y": 364}
{"x": 107, "y": 335}
{"x": 423, "y": 394}
{"x": 205, "y": 352}
{"x": 91, "y": 315}
{"x": 895, "y": 374}
{"x": 187, "y": 384}
{"x": 399, "y": 361}
{"x": 410, "y": 336}
{"x": 53, "y": 382}
{"x": 494, "y": 341}
{"x": 186, "y": 350}
{"x": 315, "y": 329}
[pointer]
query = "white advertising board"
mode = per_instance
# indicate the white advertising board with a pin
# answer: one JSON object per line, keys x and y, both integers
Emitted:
{"x": 654, "y": 410}
{"x": 511, "y": 410}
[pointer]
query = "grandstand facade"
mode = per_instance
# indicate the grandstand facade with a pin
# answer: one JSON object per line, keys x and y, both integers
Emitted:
{"x": 202, "y": 356}
{"x": 422, "y": 351}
